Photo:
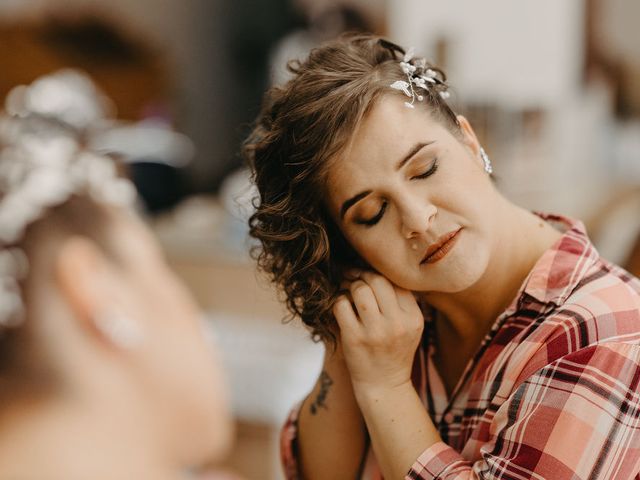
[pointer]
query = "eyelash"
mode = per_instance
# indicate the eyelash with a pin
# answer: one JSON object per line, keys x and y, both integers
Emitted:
{"x": 428, "y": 173}
{"x": 372, "y": 221}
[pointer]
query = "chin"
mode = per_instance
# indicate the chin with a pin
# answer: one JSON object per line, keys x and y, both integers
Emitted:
{"x": 455, "y": 276}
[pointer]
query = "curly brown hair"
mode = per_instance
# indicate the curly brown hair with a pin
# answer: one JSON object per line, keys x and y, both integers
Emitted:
{"x": 302, "y": 127}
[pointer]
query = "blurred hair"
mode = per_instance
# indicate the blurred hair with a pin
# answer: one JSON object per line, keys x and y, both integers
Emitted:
{"x": 25, "y": 370}
{"x": 302, "y": 127}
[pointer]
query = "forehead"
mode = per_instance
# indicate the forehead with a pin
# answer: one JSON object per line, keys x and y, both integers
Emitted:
{"x": 381, "y": 139}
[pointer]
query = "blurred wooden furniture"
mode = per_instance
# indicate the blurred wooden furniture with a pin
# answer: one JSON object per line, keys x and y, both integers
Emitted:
{"x": 133, "y": 76}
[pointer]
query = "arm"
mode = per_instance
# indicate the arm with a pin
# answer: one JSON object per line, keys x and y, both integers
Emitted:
{"x": 380, "y": 337}
{"x": 329, "y": 429}
{"x": 576, "y": 418}
{"x": 399, "y": 425}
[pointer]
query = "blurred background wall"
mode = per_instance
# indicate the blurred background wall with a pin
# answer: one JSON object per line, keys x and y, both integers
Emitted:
{"x": 552, "y": 88}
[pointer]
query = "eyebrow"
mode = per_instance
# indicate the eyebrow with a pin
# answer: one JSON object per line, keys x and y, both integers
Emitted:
{"x": 416, "y": 148}
{"x": 349, "y": 203}
{"x": 356, "y": 198}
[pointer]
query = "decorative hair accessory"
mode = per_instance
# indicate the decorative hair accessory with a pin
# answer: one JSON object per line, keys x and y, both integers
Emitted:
{"x": 487, "y": 163}
{"x": 13, "y": 268}
{"x": 42, "y": 165}
{"x": 68, "y": 96}
{"x": 419, "y": 75}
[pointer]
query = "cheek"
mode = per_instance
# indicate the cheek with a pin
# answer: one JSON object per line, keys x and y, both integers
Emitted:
{"x": 375, "y": 249}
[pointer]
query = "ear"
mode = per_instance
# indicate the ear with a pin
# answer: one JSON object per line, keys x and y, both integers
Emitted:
{"x": 469, "y": 136}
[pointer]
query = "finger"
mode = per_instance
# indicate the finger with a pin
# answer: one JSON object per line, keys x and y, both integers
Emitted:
{"x": 365, "y": 301}
{"x": 384, "y": 291}
{"x": 345, "y": 315}
{"x": 346, "y": 292}
{"x": 352, "y": 274}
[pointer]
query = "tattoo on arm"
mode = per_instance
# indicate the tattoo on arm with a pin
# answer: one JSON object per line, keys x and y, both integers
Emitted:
{"x": 325, "y": 385}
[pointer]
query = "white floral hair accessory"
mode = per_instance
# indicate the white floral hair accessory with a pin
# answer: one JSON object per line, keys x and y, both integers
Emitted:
{"x": 13, "y": 268}
{"x": 419, "y": 75}
{"x": 43, "y": 165}
{"x": 68, "y": 96}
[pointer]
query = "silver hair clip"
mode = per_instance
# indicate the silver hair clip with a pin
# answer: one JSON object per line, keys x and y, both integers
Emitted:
{"x": 418, "y": 76}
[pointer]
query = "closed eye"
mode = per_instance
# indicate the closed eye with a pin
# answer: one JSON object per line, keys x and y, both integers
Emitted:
{"x": 428, "y": 173}
{"x": 372, "y": 221}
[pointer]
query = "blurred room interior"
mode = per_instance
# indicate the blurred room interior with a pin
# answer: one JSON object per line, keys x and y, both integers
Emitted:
{"x": 552, "y": 89}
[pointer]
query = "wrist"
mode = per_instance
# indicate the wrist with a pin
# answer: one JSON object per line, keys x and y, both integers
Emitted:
{"x": 374, "y": 393}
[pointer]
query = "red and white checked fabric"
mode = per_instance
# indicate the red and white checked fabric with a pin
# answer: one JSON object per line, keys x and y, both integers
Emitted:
{"x": 553, "y": 391}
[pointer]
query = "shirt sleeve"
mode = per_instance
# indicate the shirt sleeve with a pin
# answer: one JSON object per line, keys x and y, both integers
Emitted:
{"x": 289, "y": 444}
{"x": 576, "y": 418}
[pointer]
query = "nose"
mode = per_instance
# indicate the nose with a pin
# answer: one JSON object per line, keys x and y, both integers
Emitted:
{"x": 417, "y": 218}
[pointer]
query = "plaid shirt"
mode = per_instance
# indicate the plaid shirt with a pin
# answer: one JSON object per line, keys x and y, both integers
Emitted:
{"x": 553, "y": 391}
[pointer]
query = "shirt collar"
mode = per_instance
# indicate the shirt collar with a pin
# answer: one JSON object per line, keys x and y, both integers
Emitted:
{"x": 561, "y": 268}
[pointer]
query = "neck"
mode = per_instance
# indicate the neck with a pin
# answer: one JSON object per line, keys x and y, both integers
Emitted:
{"x": 468, "y": 315}
{"x": 64, "y": 439}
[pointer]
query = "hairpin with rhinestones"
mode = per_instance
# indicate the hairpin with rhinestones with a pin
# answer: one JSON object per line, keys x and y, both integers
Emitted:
{"x": 419, "y": 75}
{"x": 42, "y": 166}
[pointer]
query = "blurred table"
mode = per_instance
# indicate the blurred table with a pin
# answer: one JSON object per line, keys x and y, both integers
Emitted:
{"x": 270, "y": 365}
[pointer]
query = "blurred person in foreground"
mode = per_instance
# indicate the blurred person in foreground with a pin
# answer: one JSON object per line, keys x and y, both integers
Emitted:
{"x": 467, "y": 337}
{"x": 105, "y": 371}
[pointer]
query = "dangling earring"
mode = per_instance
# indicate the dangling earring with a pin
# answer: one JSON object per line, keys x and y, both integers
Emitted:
{"x": 487, "y": 163}
{"x": 119, "y": 329}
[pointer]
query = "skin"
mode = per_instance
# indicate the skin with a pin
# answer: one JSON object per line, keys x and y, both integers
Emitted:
{"x": 331, "y": 439}
{"x": 158, "y": 407}
{"x": 380, "y": 321}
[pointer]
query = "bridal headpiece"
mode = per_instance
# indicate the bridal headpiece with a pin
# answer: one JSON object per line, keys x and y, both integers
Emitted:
{"x": 43, "y": 165}
{"x": 420, "y": 76}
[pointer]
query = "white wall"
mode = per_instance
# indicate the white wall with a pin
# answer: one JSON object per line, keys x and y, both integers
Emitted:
{"x": 525, "y": 52}
{"x": 519, "y": 55}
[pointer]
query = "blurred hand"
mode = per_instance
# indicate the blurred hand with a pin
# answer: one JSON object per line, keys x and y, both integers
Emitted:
{"x": 381, "y": 326}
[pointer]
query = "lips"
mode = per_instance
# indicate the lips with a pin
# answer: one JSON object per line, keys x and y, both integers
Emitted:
{"x": 441, "y": 247}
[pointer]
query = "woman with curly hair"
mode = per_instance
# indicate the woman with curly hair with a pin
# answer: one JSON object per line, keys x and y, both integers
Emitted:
{"x": 466, "y": 337}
